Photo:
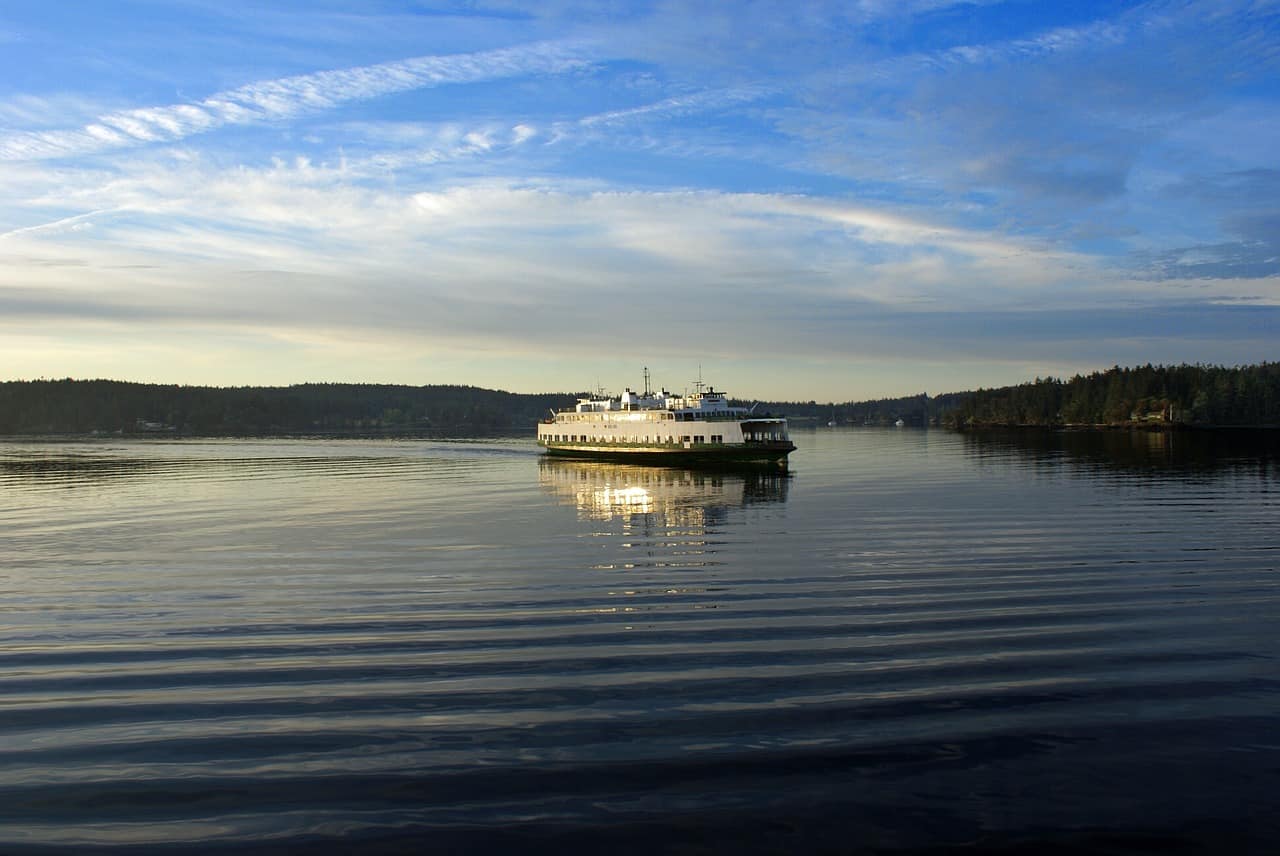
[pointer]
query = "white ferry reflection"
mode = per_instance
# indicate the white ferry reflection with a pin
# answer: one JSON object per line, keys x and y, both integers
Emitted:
{"x": 677, "y": 496}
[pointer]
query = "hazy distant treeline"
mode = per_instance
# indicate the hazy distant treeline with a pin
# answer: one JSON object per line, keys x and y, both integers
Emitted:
{"x": 1173, "y": 395}
{"x": 912, "y": 409}
{"x": 87, "y": 406}
{"x": 1151, "y": 395}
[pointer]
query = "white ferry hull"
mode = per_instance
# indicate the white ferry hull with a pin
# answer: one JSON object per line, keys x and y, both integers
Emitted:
{"x": 774, "y": 452}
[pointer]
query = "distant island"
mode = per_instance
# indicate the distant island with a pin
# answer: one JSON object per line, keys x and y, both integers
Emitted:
{"x": 1146, "y": 396}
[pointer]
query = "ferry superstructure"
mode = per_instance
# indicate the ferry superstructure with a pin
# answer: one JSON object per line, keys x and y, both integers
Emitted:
{"x": 659, "y": 427}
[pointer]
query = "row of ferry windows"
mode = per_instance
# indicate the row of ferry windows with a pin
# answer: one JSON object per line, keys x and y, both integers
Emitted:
{"x": 654, "y": 417}
{"x": 687, "y": 438}
{"x": 600, "y": 417}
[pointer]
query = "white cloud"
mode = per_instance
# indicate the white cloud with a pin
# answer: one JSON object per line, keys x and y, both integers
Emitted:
{"x": 293, "y": 258}
{"x": 288, "y": 97}
{"x": 33, "y": 111}
{"x": 66, "y": 224}
{"x": 500, "y": 244}
{"x": 694, "y": 102}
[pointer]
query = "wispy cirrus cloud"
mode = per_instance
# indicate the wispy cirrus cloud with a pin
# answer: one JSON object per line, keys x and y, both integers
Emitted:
{"x": 1059, "y": 131}
{"x": 286, "y": 97}
{"x": 1060, "y": 40}
{"x": 66, "y": 224}
{"x": 694, "y": 102}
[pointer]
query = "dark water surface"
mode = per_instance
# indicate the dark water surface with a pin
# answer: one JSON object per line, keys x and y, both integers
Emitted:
{"x": 917, "y": 641}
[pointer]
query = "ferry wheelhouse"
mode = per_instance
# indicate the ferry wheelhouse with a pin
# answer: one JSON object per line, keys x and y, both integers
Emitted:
{"x": 659, "y": 427}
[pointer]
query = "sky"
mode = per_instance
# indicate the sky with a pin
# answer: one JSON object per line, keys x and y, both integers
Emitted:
{"x": 794, "y": 201}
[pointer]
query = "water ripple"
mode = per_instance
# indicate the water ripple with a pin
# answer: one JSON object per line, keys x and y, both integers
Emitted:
{"x": 375, "y": 644}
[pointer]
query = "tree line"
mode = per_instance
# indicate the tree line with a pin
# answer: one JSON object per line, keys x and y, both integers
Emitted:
{"x": 1146, "y": 395}
{"x": 1199, "y": 395}
{"x": 918, "y": 410}
{"x": 118, "y": 407}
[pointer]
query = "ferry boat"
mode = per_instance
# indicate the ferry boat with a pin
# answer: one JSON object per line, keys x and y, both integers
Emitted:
{"x": 662, "y": 428}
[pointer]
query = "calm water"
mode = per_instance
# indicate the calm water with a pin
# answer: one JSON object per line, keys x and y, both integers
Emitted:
{"x": 916, "y": 641}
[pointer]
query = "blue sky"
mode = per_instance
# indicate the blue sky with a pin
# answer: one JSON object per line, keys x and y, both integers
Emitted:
{"x": 826, "y": 201}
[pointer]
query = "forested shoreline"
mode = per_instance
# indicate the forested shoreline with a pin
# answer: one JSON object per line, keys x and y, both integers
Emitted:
{"x": 119, "y": 407}
{"x": 1146, "y": 396}
{"x": 1152, "y": 397}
